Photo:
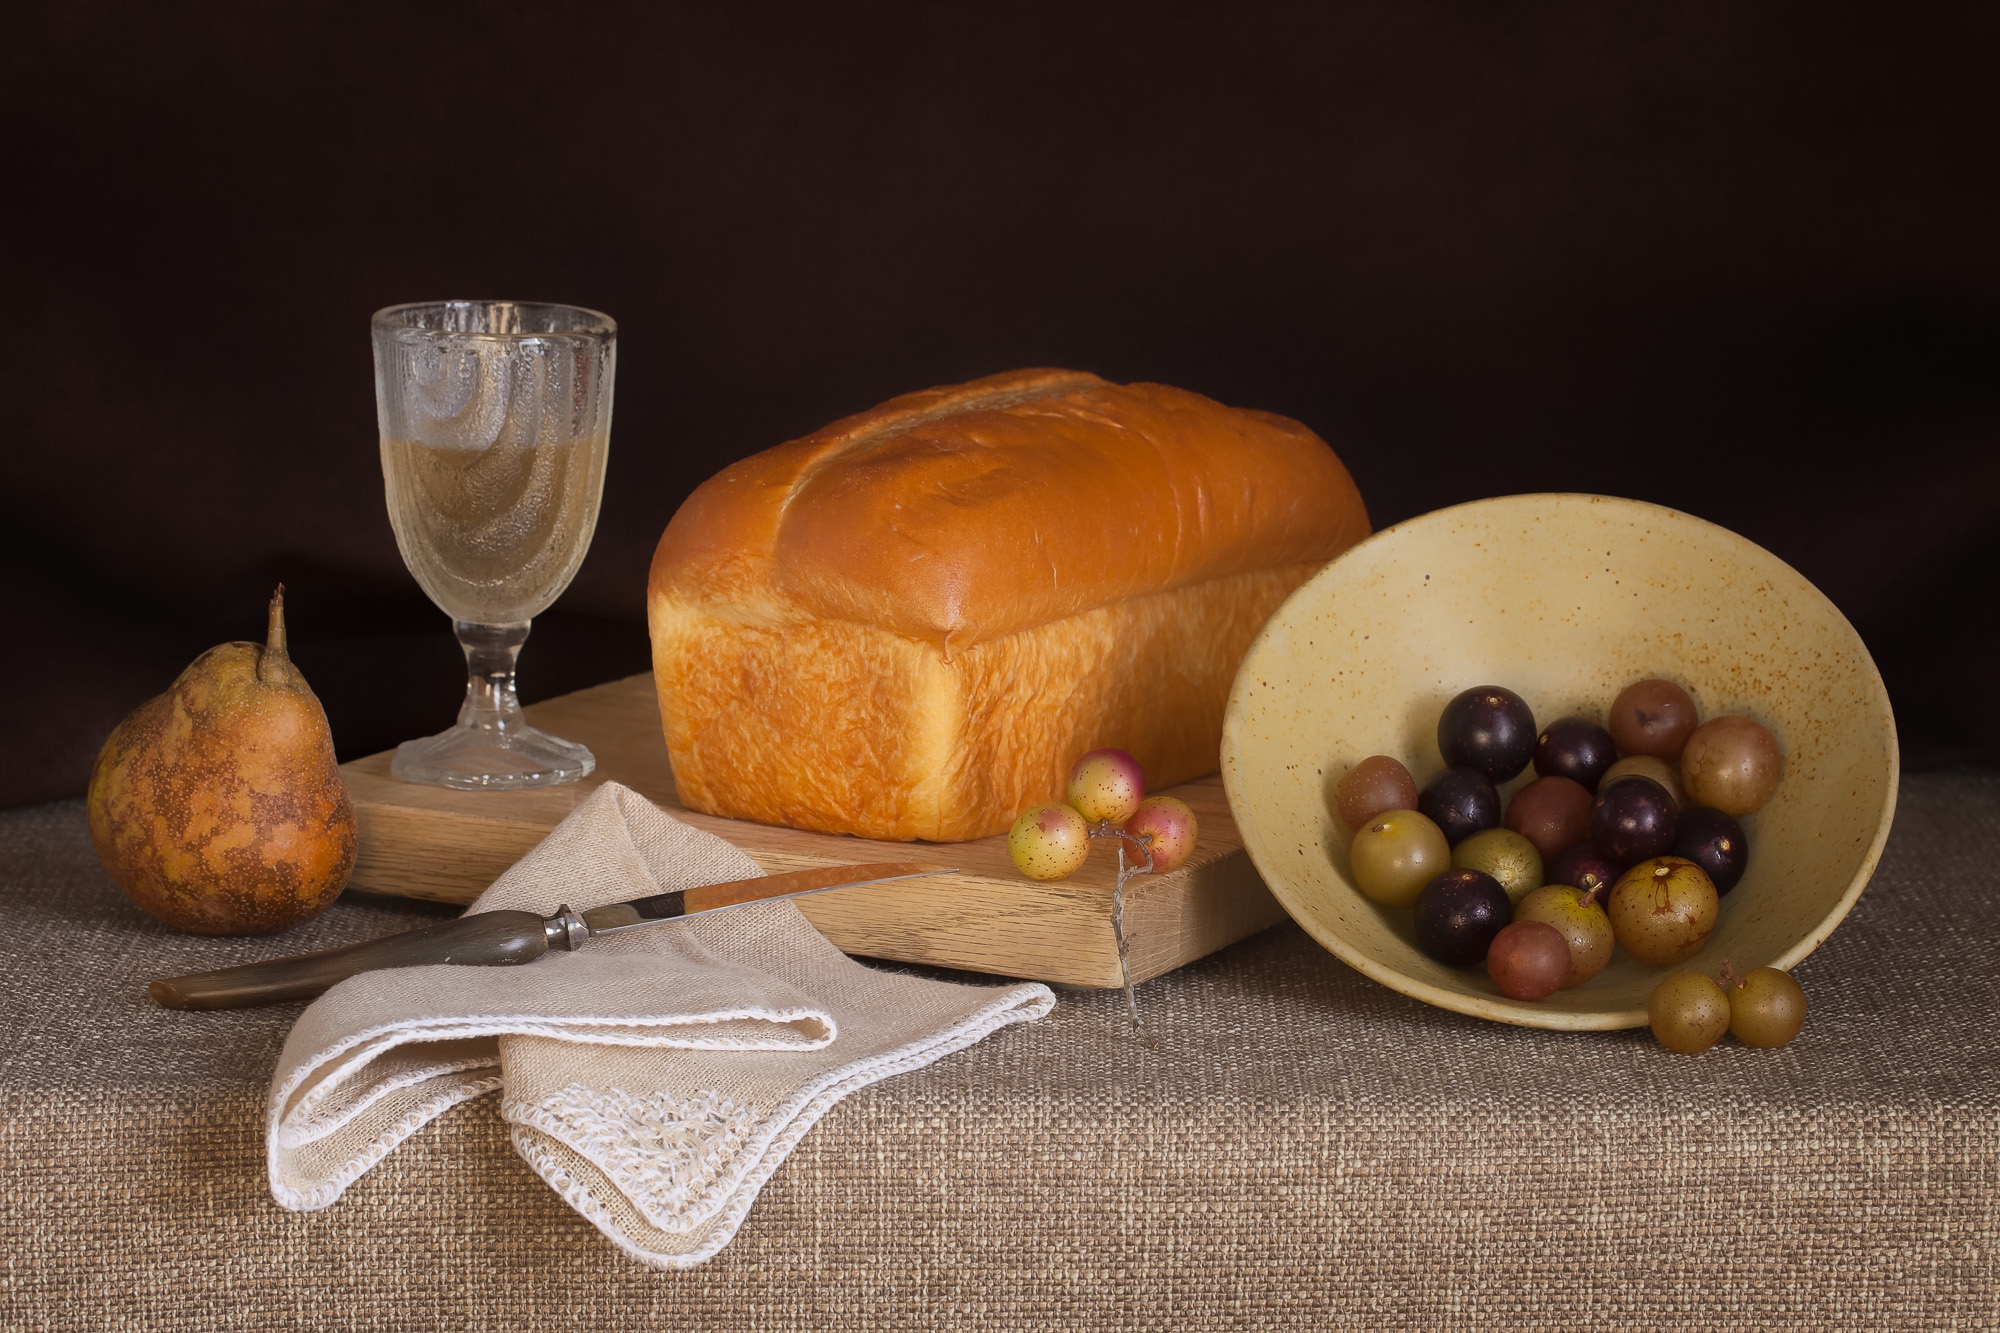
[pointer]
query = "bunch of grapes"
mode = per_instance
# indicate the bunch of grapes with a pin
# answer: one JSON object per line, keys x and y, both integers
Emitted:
{"x": 1106, "y": 798}
{"x": 1627, "y": 836}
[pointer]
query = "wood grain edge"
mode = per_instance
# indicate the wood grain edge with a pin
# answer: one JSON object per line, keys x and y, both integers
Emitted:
{"x": 448, "y": 846}
{"x": 1050, "y": 933}
{"x": 409, "y": 853}
{"x": 1220, "y": 902}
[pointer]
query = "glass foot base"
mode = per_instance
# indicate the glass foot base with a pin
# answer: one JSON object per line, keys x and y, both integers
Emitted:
{"x": 475, "y": 759}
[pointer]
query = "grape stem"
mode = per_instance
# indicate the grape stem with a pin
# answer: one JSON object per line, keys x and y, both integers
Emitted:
{"x": 1103, "y": 829}
{"x": 1730, "y": 980}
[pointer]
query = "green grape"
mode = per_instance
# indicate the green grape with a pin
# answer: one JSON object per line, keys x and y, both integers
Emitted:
{"x": 1662, "y": 910}
{"x": 1688, "y": 1013}
{"x": 1766, "y": 1008}
{"x": 1505, "y": 855}
{"x": 1396, "y": 854}
{"x": 1646, "y": 766}
{"x": 1732, "y": 764}
{"x": 1582, "y": 922}
{"x": 1049, "y": 841}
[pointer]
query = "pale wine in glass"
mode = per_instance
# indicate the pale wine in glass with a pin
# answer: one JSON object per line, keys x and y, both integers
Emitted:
{"x": 495, "y": 418}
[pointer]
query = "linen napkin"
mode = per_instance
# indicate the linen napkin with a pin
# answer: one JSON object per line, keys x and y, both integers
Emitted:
{"x": 655, "y": 1078}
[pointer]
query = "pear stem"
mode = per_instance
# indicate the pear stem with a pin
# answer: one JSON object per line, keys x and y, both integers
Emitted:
{"x": 274, "y": 653}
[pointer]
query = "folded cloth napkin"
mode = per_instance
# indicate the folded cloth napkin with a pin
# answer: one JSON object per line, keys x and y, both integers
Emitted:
{"x": 656, "y": 1078}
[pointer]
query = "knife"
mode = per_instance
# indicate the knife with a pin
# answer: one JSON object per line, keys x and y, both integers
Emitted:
{"x": 490, "y": 939}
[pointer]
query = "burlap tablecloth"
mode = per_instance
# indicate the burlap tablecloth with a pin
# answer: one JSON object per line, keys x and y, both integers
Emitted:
{"x": 1305, "y": 1150}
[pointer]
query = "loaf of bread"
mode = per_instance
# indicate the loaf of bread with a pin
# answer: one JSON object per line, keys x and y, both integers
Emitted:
{"x": 909, "y": 624}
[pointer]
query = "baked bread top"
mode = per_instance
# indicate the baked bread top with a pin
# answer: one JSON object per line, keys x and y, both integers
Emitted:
{"x": 971, "y": 512}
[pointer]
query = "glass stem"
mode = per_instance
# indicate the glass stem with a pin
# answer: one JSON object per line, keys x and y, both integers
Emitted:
{"x": 490, "y": 652}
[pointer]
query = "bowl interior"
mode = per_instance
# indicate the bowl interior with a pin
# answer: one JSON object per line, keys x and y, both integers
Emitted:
{"x": 1565, "y": 599}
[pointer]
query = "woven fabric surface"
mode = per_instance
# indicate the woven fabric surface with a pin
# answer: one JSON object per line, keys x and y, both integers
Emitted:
{"x": 1304, "y": 1150}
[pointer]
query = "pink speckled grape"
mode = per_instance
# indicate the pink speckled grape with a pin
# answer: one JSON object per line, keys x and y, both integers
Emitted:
{"x": 1167, "y": 827}
{"x": 1106, "y": 784}
{"x": 1049, "y": 841}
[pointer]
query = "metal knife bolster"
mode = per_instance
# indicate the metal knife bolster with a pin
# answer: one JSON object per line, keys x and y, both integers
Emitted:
{"x": 566, "y": 929}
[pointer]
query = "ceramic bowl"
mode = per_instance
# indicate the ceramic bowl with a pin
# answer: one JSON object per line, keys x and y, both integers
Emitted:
{"x": 1565, "y": 599}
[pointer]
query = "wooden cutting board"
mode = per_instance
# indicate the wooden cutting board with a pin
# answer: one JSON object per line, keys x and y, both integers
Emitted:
{"x": 421, "y": 841}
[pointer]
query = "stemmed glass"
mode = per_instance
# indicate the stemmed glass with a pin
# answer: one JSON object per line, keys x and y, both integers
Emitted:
{"x": 495, "y": 419}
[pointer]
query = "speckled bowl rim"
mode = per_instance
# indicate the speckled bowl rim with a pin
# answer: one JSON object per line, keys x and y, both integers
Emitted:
{"x": 1499, "y": 1008}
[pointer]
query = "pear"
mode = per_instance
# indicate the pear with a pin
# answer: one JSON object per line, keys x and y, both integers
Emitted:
{"x": 218, "y": 806}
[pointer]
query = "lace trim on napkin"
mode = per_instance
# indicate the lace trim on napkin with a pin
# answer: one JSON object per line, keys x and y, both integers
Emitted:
{"x": 664, "y": 1153}
{"x": 542, "y": 1132}
{"x": 318, "y": 1097}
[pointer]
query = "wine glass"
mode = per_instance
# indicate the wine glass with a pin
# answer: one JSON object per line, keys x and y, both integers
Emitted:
{"x": 495, "y": 419}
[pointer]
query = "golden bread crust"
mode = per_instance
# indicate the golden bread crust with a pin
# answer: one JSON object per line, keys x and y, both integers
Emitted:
{"x": 824, "y": 724}
{"x": 968, "y": 513}
{"x": 908, "y": 624}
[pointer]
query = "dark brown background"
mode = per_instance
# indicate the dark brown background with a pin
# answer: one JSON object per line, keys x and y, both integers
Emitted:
{"x": 1739, "y": 260}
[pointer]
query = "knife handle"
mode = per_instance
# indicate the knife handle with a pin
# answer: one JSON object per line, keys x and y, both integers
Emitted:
{"x": 484, "y": 939}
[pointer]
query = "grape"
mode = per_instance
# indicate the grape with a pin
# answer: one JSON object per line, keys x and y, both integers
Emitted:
{"x": 1715, "y": 842}
{"x": 1585, "y": 868}
{"x": 1528, "y": 960}
{"x": 1582, "y": 922}
{"x": 1653, "y": 717}
{"x": 1575, "y": 748}
{"x": 1553, "y": 813}
{"x": 1049, "y": 841}
{"x": 1458, "y": 914}
{"x": 1376, "y": 784}
{"x": 1396, "y": 855}
{"x": 1688, "y": 1013}
{"x": 1167, "y": 827}
{"x": 1489, "y": 729}
{"x": 1766, "y": 1007}
{"x": 1662, "y": 909}
{"x": 1106, "y": 784}
{"x": 1645, "y": 766}
{"x": 1731, "y": 764}
{"x": 1504, "y": 854}
{"x": 1632, "y": 819}
{"x": 1461, "y": 802}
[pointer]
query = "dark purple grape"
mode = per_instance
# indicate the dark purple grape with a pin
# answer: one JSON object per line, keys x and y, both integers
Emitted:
{"x": 1461, "y": 802}
{"x": 1584, "y": 867}
{"x": 1458, "y": 914}
{"x": 1715, "y": 842}
{"x": 1632, "y": 819}
{"x": 1575, "y": 748}
{"x": 1488, "y": 729}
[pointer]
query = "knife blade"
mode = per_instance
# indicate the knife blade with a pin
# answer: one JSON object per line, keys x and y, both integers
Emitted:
{"x": 494, "y": 939}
